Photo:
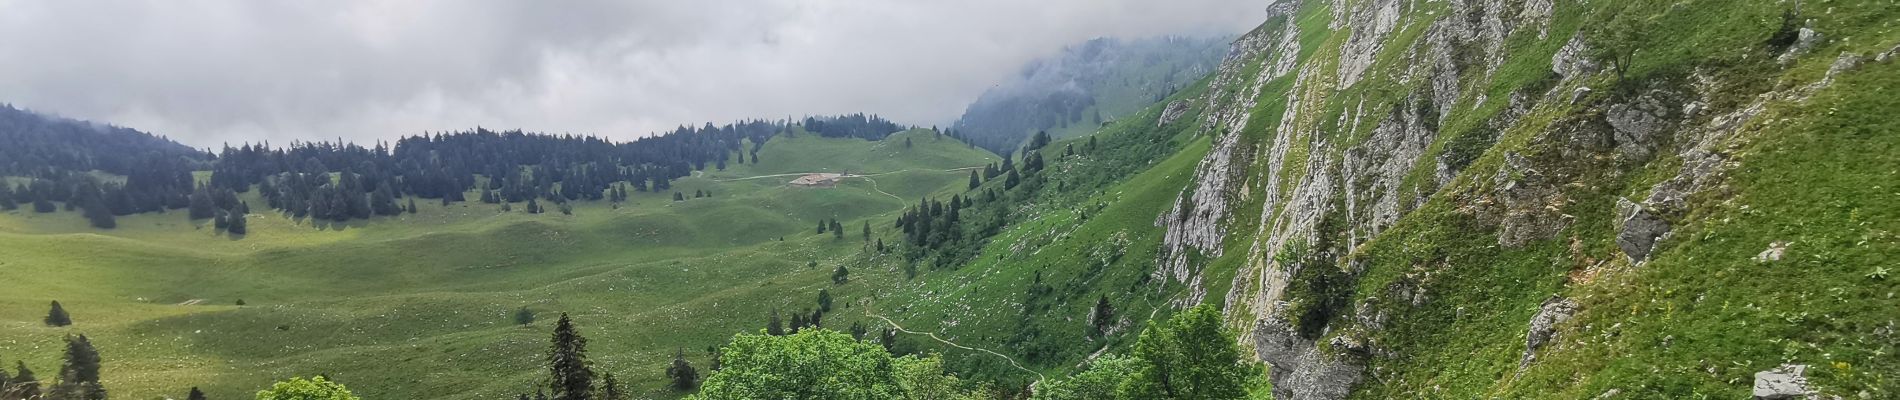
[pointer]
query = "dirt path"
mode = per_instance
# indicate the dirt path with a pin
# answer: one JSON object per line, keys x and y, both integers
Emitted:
{"x": 1012, "y": 361}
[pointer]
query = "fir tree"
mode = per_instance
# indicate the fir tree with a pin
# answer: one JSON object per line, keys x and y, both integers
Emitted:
{"x": 677, "y": 196}
{"x": 610, "y": 388}
{"x": 841, "y": 275}
{"x": 1101, "y": 318}
{"x": 238, "y": 224}
{"x": 973, "y": 180}
{"x": 195, "y": 394}
{"x": 570, "y": 376}
{"x": 824, "y": 300}
{"x": 524, "y": 316}
{"x": 58, "y": 316}
{"x": 534, "y": 208}
{"x": 412, "y": 205}
{"x": 79, "y": 375}
{"x": 25, "y": 385}
{"x": 682, "y": 373}
{"x": 867, "y": 231}
{"x": 774, "y": 326}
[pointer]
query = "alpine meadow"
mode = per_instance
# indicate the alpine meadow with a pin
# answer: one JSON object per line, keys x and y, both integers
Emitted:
{"x": 1125, "y": 199}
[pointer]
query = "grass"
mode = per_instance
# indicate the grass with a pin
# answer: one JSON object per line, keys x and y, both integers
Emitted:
{"x": 420, "y": 305}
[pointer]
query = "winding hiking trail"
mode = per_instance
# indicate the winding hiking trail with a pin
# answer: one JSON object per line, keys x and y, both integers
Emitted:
{"x": 1006, "y": 357}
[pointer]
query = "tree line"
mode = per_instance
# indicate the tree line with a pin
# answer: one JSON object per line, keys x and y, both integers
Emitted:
{"x": 107, "y": 171}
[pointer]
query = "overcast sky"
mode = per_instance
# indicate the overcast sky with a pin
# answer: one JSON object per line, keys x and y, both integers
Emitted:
{"x": 206, "y": 72}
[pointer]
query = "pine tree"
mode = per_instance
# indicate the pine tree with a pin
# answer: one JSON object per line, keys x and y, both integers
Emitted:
{"x": 570, "y": 376}
{"x": 974, "y": 183}
{"x": 524, "y": 316}
{"x": 25, "y": 385}
{"x": 858, "y": 330}
{"x": 1101, "y": 318}
{"x": 79, "y": 375}
{"x": 1010, "y": 180}
{"x": 841, "y": 275}
{"x": 238, "y": 224}
{"x": 867, "y": 231}
{"x": 58, "y": 316}
{"x": 773, "y": 326}
{"x": 677, "y": 196}
{"x": 412, "y": 205}
{"x": 533, "y": 207}
{"x": 195, "y": 394}
{"x": 682, "y": 373}
{"x": 815, "y": 320}
{"x": 824, "y": 300}
{"x": 610, "y": 388}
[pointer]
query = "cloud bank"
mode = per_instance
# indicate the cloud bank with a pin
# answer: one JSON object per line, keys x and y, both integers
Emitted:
{"x": 206, "y": 72}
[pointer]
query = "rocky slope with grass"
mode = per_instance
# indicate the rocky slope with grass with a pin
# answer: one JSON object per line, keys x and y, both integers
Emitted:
{"x": 1552, "y": 198}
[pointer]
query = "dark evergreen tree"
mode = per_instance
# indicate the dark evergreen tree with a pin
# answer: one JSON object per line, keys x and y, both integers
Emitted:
{"x": 610, "y": 388}
{"x": 524, "y": 316}
{"x": 677, "y": 196}
{"x": 682, "y": 374}
{"x": 239, "y": 224}
{"x": 58, "y": 316}
{"x": 195, "y": 394}
{"x": 25, "y": 385}
{"x": 824, "y": 300}
{"x": 1010, "y": 180}
{"x": 79, "y": 375}
{"x": 841, "y": 275}
{"x": 534, "y": 208}
{"x": 973, "y": 180}
{"x": 773, "y": 325}
{"x": 1101, "y": 318}
{"x": 570, "y": 375}
{"x": 858, "y": 330}
{"x": 412, "y": 205}
{"x": 816, "y": 319}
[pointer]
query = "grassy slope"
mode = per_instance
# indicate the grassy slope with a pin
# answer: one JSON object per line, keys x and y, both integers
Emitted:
{"x": 420, "y": 305}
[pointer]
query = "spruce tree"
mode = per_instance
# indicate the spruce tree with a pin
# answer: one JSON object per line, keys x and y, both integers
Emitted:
{"x": 824, "y": 300}
{"x": 610, "y": 388}
{"x": 238, "y": 224}
{"x": 841, "y": 275}
{"x": 773, "y": 325}
{"x": 682, "y": 373}
{"x": 195, "y": 394}
{"x": 58, "y": 316}
{"x": 79, "y": 375}
{"x": 973, "y": 180}
{"x": 1101, "y": 318}
{"x": 25, "y": 385}
{"x": 570, "y": 376}
{"x": 412, "y": 205}
{"x": 867, "y": 231}
{"x": 524, "y": 316}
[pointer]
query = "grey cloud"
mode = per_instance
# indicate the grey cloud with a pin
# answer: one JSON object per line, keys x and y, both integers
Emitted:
{"x": 229, "y": 71}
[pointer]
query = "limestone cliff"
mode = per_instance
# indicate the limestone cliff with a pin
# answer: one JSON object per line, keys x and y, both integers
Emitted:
{"x": 1359, "y": 145}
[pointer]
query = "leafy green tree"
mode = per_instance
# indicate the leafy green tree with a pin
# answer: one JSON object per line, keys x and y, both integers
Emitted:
{"x": 1621, "y": 30}
{"x": 1098, "y": 382}
{"x": 924, "y": 378}
{"x": 682, "y": 374}
{"x": 570, "y": 375}
{"x": 58, "y": 316}
{"x": 1190, "y": 356}
{"x": 79, "y": 375}
{"x": 318, "y": 388}
{"x": 813, "y": 364}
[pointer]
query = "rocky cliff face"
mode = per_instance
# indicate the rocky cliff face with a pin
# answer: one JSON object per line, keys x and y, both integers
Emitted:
{"x": 1499, "y": 115}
